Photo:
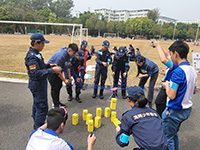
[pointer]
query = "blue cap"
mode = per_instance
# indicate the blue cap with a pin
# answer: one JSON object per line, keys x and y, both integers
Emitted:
{"x": 84, "y": 43}
{"x": 38, "y": 37}
{"x": 81, "y": 54}
{"x": 121, "y": 51}
{"x": 106, "y": 44}
{"x": 132, "y": 91}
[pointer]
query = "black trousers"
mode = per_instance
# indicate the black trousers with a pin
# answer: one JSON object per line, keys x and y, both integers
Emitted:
{"x": 100, "y": 71}
{"x": 56, "y": 85}
{"x": 161, "y": 100}
{"x": 123, "y": 81}
{"x": 151, "y": 85}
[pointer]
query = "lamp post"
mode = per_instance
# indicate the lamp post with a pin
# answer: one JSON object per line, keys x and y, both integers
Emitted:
{"x": 197, "y": 32}
{"x": 174, "y": 30}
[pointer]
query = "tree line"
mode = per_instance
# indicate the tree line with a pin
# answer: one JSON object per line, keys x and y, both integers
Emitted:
{"x": 59, "y": 11}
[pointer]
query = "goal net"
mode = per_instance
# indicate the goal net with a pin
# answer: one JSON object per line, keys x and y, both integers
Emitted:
{"x": 24, "y": 27}
{"x": 109, "y": 35}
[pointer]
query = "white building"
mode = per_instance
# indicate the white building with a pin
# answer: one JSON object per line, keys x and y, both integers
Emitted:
{"x": 123, "y": 15}
{"x": 163, "y": 19}
{"x": 192, "y": 21}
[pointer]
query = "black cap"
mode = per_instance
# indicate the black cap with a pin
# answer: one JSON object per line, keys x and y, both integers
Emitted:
{"x": 38, "y": 37}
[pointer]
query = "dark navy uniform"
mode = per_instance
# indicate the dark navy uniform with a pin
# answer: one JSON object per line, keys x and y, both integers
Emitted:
{"x": 132, "y": 53}
{"x": 120, "y": 65}
{"x": 145, "y": 126}
{"x": 75, "y": 63}
{"x": 37, "y": 72}
{"x": 101, "y": 70}
{"x": 150, "y": 68}
{"x": 62, "y": 59}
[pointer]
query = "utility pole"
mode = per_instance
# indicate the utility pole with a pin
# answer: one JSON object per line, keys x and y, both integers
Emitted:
{"x": 174, "y": 30}
{"x": 197, "y": 32}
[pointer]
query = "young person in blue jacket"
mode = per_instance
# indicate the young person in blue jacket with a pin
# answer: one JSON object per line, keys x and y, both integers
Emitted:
{"x": 147, "y": 69}
{"x": 142, "y": 122}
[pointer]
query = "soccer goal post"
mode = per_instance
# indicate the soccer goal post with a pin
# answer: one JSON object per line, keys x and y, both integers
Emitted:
{"x": 74, "y": 26}
{"x": 109, "y": 35}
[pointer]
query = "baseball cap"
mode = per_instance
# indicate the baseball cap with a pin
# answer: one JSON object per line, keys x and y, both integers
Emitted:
{"x": 38, "y": 37}
{"x": 139, "y": 58}
{"x": 106, "y": 44}
{"x": 84, "y": 43}
{"x": 81, "y": 54}
{"x": 121, "y": 50}
{"x": 134, "y": 90}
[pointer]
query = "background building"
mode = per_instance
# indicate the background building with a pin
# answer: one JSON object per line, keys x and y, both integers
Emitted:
{"x": 123, "y": 15}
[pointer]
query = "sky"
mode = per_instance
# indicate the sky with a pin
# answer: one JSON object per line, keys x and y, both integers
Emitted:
{"x": 182, "y": 10}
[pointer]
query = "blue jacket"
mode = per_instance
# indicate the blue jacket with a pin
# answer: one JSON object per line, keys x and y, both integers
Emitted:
{"x": 37, "y": 69}
{"x": 61, "y": 58}
{"x": 103, "y": 56}
{"x": 149, "y": 67}
{"x": 145, "y": 125}
{"x": 74, "y": 68}
{"x": 120, "y": 63}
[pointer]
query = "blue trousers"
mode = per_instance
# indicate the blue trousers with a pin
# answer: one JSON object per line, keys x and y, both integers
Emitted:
{"x": 171, "y": 124}
{"x": 40, "y": 104}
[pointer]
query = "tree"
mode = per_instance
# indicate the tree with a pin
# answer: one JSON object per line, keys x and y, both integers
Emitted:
{"x": 153, "y": 14}
{"x": 62, "y": 8}
{"x": 100, "y": 26}
{"x": 85, "y": 16}
{"x": 52, "y": 19}
{"x": 128, "y": 29}
{"x": 156, "y": 31}
{"x": 91, "y": 22}
{"x": 110, "y": 26}
{"x": 119, "y": 27}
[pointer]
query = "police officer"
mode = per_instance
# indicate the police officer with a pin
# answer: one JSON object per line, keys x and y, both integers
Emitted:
{"x": 142, "y": 122}
{"x": 120, "y": 66}
{"x": 146, "y": 69}
{"x": 103, "y": 60}
{"x": 63, "y": 59}
{"x": 37, "y": 72}
{"x": 87, "y": 55}
{"x": 77, "y": 61}
{"x": 131, "y": 52}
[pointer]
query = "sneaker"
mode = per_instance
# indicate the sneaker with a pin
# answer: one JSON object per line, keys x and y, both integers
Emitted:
{"x": 94, "y": 95}
{"x": 61, "y": 104}
{"x": 70, "y": 98}
{"x": 78, "y": 99}
{"x": 83, "y": 88}
{"x": 101, "y": 96}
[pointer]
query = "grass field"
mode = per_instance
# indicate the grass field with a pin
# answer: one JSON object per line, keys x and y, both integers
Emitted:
{"x": 13, "y": 49}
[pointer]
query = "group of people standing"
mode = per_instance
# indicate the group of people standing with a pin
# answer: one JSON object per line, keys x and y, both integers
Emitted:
{"x": 179, "y": 84}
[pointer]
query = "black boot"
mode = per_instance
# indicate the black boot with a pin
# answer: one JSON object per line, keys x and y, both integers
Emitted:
{"x": 70, "y": 98}
{"x": 78, "y": 99}
{"x": 101, "y": 94}
{"x": 94, "y": 94}
{"x": 124, "y": 94}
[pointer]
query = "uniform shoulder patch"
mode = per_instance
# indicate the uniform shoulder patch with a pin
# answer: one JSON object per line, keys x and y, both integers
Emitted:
{"x": 32, "y": 67}
{"x": 100, "y": 53}
{"x": 38, "y": 56}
